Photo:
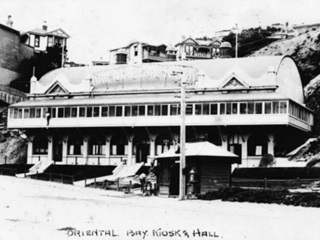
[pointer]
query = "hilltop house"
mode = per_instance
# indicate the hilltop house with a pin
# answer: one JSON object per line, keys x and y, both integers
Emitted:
{"x": 139, "y": 52}
{"x": 41, "y": 38}
{"x": 191, "y": 49}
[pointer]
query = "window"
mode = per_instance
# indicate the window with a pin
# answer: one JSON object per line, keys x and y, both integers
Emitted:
{"x": 60, "y": 112}
{"x": 74, "y": 112}
{"x": 157, "y": 110}
{"x": 127, "y": 111}
{"x": 174, "y": 109}
{"x": 36, "y": 41}
{"x": 104, "y": 111}
{"x": 16, "y": 113}
{"x": 45, "y": 111}
{"x": 142, "y": 111}
{"x": 119, "y": 145}
{"x": 205, "y": 109}
{"x": 243, "y": 108}
{"x": 268, "y": 108}
{"x": 112, "y": 111}
{"x": 50, "y": 41}
{"x": 213, "y": 108}
{"x": 119, "y": 111}
{"x": 189, "y": 108}
{"x": 136, "y": 50}
{"x": 32, "y": 113}
{"x": 97, "y": 145}
{"x": 82, "y": 111}
{"x": 135, "y": 110}
{"x": 258, "y": 108}
{"x": 67, "y": 112}
{"x": 228, "y": 108}
{"x": 38, "y": 112}
{"x": 26, "y": 113}
{"x": 276, "y": 107}
{"x": 234, "y": 108}
{"x": 40, "y": 145}
{"x": 164, "y": 110}
{"x": 53, "y": 112}
{"x": 96, "y": 111}
{"x": 283, "y": 107}
{"x": 19, "y": 113}
{"x": 250, "y": 108}
{"x": 222, "y": 108}
{"x": 89, "y": 111}
{"x": 150, "y": 110}
{"x": 58, "y": 41}
{"x": 198, "y": 109}
{"x": 75, "y": 145}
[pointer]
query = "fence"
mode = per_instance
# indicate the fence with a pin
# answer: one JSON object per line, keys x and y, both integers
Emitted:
{"x": 53, "y": 177}
{"x": 272, "y": 183}
{"x": 8, "y": 171}
{"x": 118, "y": 185}
{"x": 5, "y": 160}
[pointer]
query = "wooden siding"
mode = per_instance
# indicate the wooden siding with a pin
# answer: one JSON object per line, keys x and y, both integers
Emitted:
{"x": 214, "y": 174}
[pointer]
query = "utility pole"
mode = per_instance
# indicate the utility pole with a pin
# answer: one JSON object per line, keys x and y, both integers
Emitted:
{"x": 62, "y": 52}
{"x": 182, "y": 190}
{"x": 236, "y": 40}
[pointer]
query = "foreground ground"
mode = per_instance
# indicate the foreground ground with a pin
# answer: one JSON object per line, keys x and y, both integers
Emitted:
{"x": 31, "y": 209}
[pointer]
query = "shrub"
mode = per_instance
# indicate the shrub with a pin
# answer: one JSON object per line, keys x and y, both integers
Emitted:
{"x": 278, "y": 196}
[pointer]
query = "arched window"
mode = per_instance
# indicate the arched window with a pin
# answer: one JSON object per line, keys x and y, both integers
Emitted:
{"x": 40, "y": 145}
{"x": 163, "y": 143}
{"x": 97, "y": 145}
{"x": 119, "y": 144}
{"x": 75, "y": 145}
{"x": 141, "y": 147}
{"x": 257, "y": 145}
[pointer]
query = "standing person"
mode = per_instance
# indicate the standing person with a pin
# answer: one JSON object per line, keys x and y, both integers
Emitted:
{"x": 142, "y": 179}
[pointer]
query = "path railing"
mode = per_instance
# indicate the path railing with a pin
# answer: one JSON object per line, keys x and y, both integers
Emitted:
{"x": 272, "y": 183}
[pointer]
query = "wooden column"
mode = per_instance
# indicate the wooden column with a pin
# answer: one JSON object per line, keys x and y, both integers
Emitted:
{"x": 271, "y": 144}
{"x": 86, "y": 148}
{"x": 50, "y": 148}
{"x": 65, "y": 149}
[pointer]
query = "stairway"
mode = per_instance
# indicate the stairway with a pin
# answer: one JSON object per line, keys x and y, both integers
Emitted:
{"x": 121, "y": 171}
{"x": 39, "y": 167}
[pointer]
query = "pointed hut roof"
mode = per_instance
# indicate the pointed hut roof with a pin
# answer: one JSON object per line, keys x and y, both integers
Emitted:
{"x": 205, "y": 149}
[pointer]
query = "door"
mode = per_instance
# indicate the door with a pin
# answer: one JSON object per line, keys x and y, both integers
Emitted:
{"x": 57, "y": 151}
{"x": 142, "y": 152}
{"x": 174, "y": 180}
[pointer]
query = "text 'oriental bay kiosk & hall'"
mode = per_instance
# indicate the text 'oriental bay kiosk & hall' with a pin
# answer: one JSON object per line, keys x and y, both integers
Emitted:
{"x": 103, "y": 115}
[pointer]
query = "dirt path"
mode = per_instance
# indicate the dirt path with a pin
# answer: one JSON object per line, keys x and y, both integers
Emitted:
{"x": 31, "y": 209}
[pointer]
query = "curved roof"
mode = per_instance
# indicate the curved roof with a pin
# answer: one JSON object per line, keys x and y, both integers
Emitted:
{"x": 216, "y": 73}
{"x": 225, "y": 45}
{"x": 254, "y": 66}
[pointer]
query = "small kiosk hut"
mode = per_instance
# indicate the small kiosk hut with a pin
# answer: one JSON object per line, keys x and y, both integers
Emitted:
{"x": 208, "y": 167}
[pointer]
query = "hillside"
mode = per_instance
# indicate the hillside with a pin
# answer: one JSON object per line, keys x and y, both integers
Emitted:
{"x": 304, "y": 49}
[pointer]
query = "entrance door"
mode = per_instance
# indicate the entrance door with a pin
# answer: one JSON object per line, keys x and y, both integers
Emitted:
{"x": 57, "y": 151}
{"x": 142, "y": 152}
{"x": 174, "y": 180}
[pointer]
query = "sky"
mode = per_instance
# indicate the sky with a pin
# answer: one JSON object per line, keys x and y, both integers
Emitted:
{"x": 96, "y": 26}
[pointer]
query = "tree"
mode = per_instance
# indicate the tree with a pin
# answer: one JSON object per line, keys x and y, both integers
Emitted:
{"x": 41, "y": 63}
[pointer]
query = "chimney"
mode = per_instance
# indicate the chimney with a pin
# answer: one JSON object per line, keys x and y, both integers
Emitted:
{"x": 45, "y": 26}
{"x": 9, "y": 21}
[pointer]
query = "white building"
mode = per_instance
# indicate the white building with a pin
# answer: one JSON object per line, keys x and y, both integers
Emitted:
{"x": 41, "y": 38}
{"x": 101, "y": 115}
